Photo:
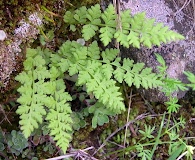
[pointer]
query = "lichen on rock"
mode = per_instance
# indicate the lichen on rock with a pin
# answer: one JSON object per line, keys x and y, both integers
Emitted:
{"x": 9, "y": 52}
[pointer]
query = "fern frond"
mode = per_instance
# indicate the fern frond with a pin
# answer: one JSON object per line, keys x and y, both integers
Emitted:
{"x": 136, "y": 74}
{"x": 73, "y": 55}
{"x": 32, "y": 108}
{"x": 59, "y": 118}
{"x": 134, "y": 30}
{"x": 125, "y": 19}
{"x": 151, "y": 34}
{"x": 162, "y": 69}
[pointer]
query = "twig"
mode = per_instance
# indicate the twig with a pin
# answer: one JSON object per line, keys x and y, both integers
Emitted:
{"x": 129, "y": 109}
{"x": 77, "y": 154}
{"x": 142, "y": 116}
{"x": 5, "y": 116}
{"x": 184, "y": 5}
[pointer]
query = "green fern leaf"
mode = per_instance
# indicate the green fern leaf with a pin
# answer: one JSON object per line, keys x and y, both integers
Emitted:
{"x": 94, "y": 14}
{"x": 109, "y": 16}
{"x": 112, "y": 98}
{"x": 129, "y": 78}
{"x": 127, "y": 64}
{"x": 54, "y": 73}
{"x": 133, "y": 38}
{"x": 109, "y": 54}
{"x": 64, "y": 65}
{"x": 146, "y": 39}
{"x": 59, "y": 118}
{"x": 106, "y": 34}
{"x": 89, "y": 31}
{"x": 41, "y": 73}
{"x": 26, "y": 89}
{"x": 106, "y": 92}
{"x": 107, "y": 70}
{"x": 29, "y": 121}
{"x": 149, "y": 79}
{"x": 28, "y": 64}
{"x": 80, "y": 15}
{"x": 38, "y": 61}
{"x": 125, "y": 19}
{"x": 94, "y": 50}
{"x": 91, "y": 85}
{"x": 83, "y": 77}
{"x": 163, "y": 66}
{"x": 24, "y": 77}
{"x": 60, "y": 127}
{"x": 121, "y": 37}
{"x": 136, "y": 79}
{"x": 92, "y": 66}
{"x": 31, "y": 52}
{"x": 119, "y": 74}
{"x": 137, "y": 21}
{"x": 65, "y": 49}
{"x": 74, "y": 69}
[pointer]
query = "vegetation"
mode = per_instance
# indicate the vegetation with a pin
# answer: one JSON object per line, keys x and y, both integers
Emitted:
{"x": 101, "y": 76}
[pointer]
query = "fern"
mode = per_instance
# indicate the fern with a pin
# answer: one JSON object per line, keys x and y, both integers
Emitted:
{"x": 134, "y": 31}
{"x": 42, "y": 89}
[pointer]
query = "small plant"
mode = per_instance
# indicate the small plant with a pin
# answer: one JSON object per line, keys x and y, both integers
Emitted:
{"x": 16, "y": 142}
{"x": 78, "y": 120}
{"x": 147, "y": 133}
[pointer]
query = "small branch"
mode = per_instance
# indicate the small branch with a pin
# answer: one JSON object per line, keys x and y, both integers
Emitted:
{"x": 76, "y": 154}
{"x": 129, "y": 109}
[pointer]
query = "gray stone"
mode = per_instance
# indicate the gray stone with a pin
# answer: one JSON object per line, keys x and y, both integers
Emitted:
{"x": 179, "y": 56}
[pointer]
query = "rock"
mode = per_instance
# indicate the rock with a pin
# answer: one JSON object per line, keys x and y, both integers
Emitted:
{"x": 2, "y": 35}
{"x": 179, "y": 56}
{"x": 26, "y": 32}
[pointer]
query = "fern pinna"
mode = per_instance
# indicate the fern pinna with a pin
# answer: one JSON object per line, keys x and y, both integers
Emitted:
{"x": 43, "y": 95}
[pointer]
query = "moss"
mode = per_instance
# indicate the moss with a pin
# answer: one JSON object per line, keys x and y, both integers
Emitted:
{"x": 12, "y": 11}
